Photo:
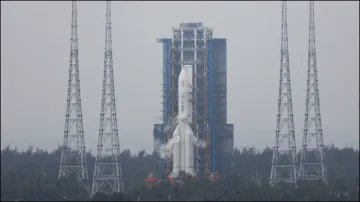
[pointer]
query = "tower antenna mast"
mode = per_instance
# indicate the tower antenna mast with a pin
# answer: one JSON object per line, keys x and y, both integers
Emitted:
{"x": 73, "y": 155}
{"x": 108, "y": 176}
{"x": 283, "y": 168}
{"x": 312, "y": 165}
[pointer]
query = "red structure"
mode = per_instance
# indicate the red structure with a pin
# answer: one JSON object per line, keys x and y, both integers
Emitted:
{"x": 214, "y": 176}
{"x": 150, "y": 180}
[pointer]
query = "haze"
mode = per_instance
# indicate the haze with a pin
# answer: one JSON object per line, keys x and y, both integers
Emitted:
{"x": 35, "y": 43}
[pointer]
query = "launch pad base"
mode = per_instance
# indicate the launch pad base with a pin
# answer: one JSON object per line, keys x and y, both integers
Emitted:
{"x": 183, "y": 178}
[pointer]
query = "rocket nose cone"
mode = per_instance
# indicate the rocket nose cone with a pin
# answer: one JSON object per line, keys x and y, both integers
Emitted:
{"x": 182, "y": 75}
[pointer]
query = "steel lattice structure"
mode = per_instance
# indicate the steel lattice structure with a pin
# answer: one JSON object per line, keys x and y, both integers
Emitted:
{"x": 108, "y": 175}
{"x": 73, "y": 156}
{"x": 312, "y": 165}
{"x": 284, "y": 153}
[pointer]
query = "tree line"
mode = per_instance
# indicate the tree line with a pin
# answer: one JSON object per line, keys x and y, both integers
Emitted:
{"x": 32, "y": 175}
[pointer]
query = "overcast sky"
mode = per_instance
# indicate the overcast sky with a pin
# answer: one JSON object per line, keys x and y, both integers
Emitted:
{"x": 35, "y": 40}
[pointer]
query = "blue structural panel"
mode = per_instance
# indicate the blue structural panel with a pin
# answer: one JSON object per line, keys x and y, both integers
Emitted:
{"x": 166, "y": 80}
{"x": 209, "y": 101}
{"x": 159, "y": 128}
{"x": 221, "y": 133}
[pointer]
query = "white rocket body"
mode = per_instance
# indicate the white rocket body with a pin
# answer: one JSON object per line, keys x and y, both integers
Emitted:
{"x": 183, "y": 140}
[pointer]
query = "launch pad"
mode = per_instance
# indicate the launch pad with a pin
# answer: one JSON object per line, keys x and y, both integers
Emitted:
{"x": 183, "y": 178}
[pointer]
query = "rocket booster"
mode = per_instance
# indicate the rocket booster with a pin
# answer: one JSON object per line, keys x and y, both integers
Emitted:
{"x": 183, "y": 140}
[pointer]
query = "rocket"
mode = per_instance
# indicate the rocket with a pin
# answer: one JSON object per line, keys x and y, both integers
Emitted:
{"x": 183, "y": 140}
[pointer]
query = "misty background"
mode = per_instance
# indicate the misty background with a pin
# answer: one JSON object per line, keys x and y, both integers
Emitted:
{"x": 35, "y": 48}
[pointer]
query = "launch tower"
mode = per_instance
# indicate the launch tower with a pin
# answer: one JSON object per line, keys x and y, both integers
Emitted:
{"x": 108, "y": 175}
{"x": 283, "y": 166}
{"x": 73, "y": 155}
{"x": 193, "y": 44}
{"x": 312, "y": 165}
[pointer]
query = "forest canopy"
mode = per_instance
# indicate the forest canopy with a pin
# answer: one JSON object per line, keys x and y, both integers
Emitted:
{"x": 32, "y": 175}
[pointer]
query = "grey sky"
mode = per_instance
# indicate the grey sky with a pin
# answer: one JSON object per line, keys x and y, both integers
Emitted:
{"x": 35, "y": 40}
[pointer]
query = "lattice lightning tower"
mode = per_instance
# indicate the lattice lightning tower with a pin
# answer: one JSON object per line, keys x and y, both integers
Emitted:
{"x": 73, "y": 155}
{"x": 108, "y": 175}
{"x": 284, "y": 152}
{"x": 312, "y": 165}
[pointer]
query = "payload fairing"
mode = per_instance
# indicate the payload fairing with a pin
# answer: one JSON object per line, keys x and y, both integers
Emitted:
{"x": 183, "y": 140}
